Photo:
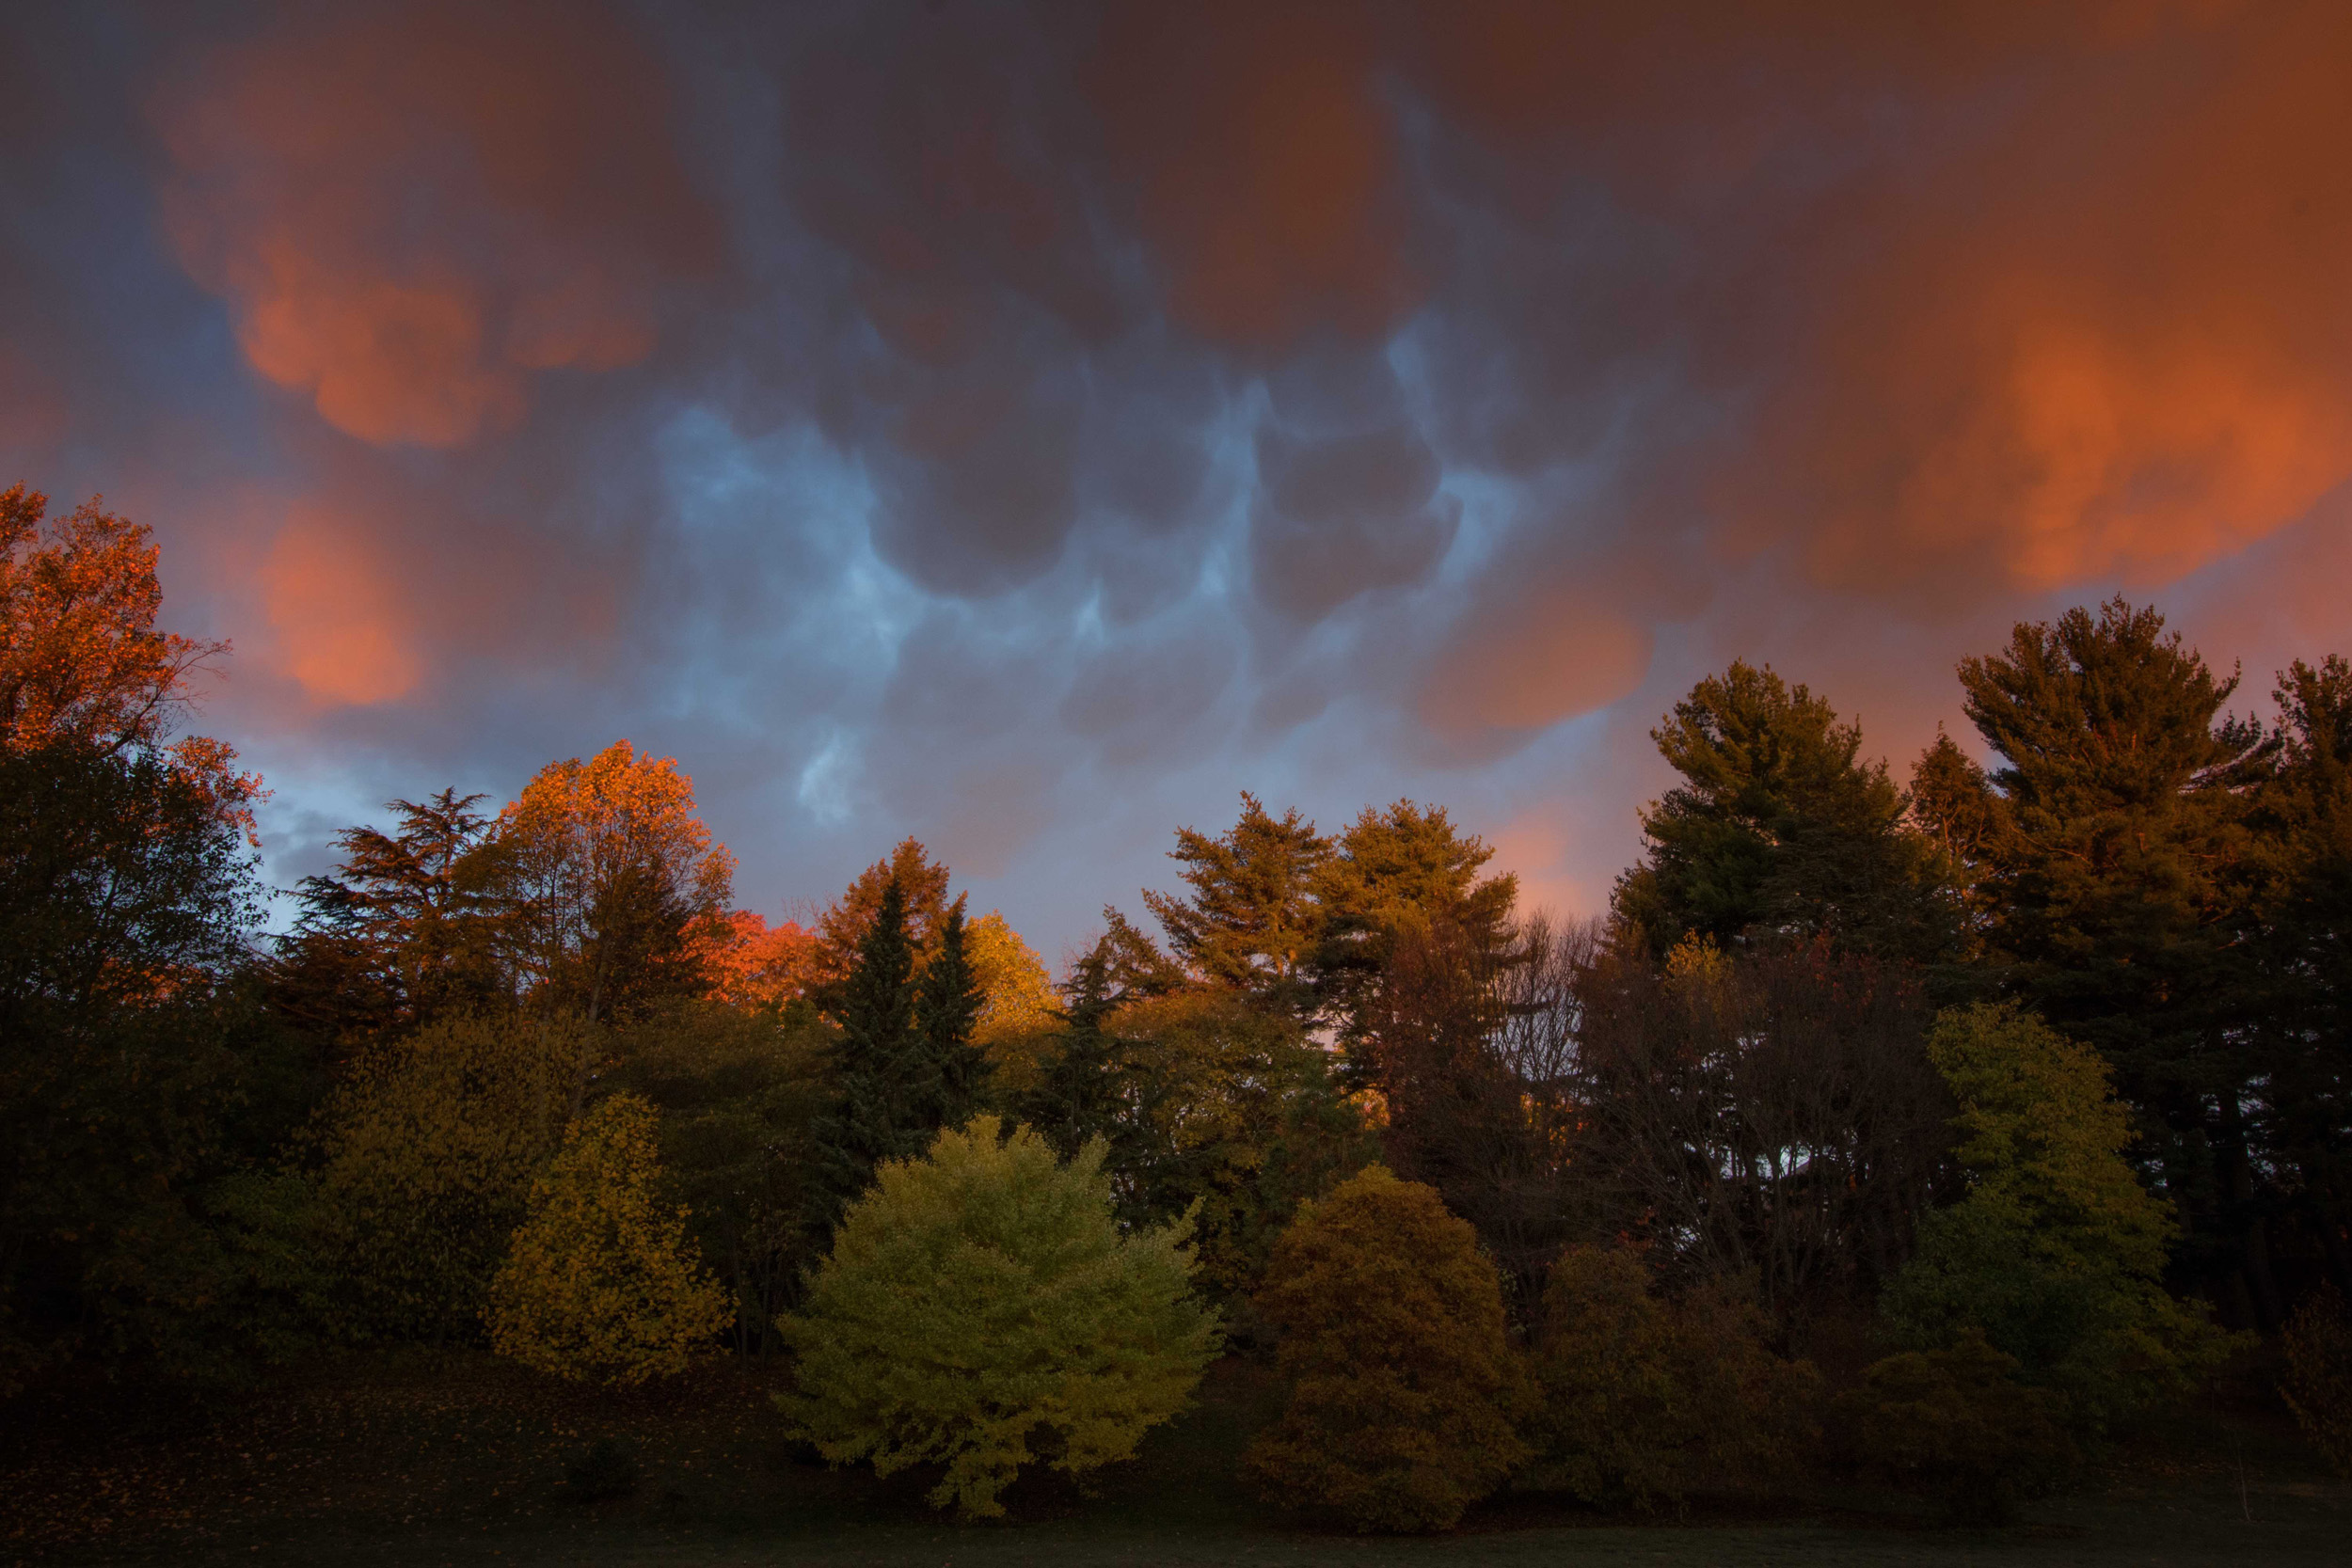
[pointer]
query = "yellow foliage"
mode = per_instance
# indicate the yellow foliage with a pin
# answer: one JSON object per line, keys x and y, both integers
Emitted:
{"x": 426, "y": 1158}
{"x": 1402, "y": 1382}
{"x": 981, "y": 1299}
{"x": 1016, "y": 993}
{"x": 602, "y": 1283}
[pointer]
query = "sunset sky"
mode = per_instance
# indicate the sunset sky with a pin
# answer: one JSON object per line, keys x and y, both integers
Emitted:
{"x": 1028, "y": 426}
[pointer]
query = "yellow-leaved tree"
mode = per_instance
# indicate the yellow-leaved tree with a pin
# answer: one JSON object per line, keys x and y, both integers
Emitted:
{"x": 982, "y": 1310}
{"x": 602, "y": 1283}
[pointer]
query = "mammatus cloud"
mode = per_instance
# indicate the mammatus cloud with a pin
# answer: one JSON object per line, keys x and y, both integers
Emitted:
{"x": 1034, "y": 422}
{"x": 412, "y": 209}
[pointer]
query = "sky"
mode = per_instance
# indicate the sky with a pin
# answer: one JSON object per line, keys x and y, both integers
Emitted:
{"x": 1026, "y": 426}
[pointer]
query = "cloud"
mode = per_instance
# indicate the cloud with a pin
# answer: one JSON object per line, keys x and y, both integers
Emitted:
{"x": 1023, "y": 422}
{"x": 414, "y": 208}
{"x": 342, "y": 633}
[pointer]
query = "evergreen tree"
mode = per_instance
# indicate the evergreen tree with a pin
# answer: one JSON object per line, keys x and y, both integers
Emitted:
{"x": 2301, "y": 1125}
{"x": 877, "y": 1061}
{"x": 1088, "y": 1088}
{"x": 2112, "y": 882}
{"x": 954, "y": 1071}
{"x": 1779, "y": 831}
{"x": 1408, "y": 867}
{"x": 1253, "y": 921}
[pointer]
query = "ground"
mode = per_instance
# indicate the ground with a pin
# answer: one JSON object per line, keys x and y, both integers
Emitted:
{"x": 459, "y": 1459}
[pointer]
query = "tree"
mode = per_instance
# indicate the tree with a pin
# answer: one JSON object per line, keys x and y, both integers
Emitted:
{"x": 1404, "y": 869}
{"x": 1017, "y": 998}
{"x": 1086, "y": 1086}
{"x": 2056, "y": 1252}
{"x": 602, "y": 1282}
{"x": 407, "y": 927}
{"x": 1778, "y": 831}
{"x": 1227, "y": 1112}
{"x": 876, "y": 1065}
{"x": 1401, "y": 1381}
{"x": 740, "y": 1092}
{"x": 922, "y": 884}
{"x": 1769, "y": 1114}
{"x": 2112, "y": 882}
{"x": 952, "y": 1071}
{"x": 1644, "y": 1399}
{"x": 127, "y": 1057}
{"x": 2298, "y": 932}
{"x": 81, "y": 662}
{"x": 424, "y": 1159}
{"x": 1252, "y": 921}
{"x": 983, "y": 1296}
{"x": 611, "y": 876}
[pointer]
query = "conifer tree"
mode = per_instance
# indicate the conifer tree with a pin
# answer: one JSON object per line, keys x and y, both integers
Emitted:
{"x": 1779, "y": 830}
{"x": 877, "y": 1061}
{"x": 1253, "y": 922}
{"x": 953, "y": 1071}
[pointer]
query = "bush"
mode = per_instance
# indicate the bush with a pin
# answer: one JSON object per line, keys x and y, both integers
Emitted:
{"x": 2318, "y": 1384}
{"x": 1642, "y": 1399}
{"x": 1958, "y": 1422}
{"x": 602, "y": 1283}
{"x": 982, "y": 1300}
{"x": 1402, "y": 1380}
{"x": 2056, "y": 1253}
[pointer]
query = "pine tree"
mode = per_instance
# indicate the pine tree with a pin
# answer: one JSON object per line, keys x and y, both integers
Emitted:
{"x": 953, "y": 1073}
{"x": 2113, "y": 882}
{"x": 1779, "y": 831}
{"x": 1253, "y": 922}
{"x": 877, "y": 1063}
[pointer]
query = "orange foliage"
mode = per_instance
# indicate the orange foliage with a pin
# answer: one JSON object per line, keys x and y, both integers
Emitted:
{"x": 752, "y": 964}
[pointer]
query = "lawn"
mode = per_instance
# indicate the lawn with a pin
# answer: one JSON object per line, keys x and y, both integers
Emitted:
{"x": 460, "y": 1459}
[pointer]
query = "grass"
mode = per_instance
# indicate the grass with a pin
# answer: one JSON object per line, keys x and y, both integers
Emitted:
{"x": 460, "y": 1459}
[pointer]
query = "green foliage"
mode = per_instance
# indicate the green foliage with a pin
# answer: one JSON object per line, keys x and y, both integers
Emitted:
{"x": 425, "y": 1158}
{"x": 981, "y": 1310}
{"x": 2056, "y": 1252}
{"x": 952, "y": 1070}
{"x": 1228, "y": 1112}
{"x": 1958, "y": 1421}
{"x": 602, "y": 1282}
{"x": 129, "y": 1056}
{"x": 1642, "y": 1399}
{"x": 2112, "y": 881}
{"x": 1777, "y": 830}
{"x": 2318, "y": 1382}
{"x": 739, "y": 1094}
{"x": 875, "y": 1065}
{"x": 1402, "y": 1379}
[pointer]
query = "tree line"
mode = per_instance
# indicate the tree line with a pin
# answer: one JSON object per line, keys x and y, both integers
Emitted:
{"x": 2041, "y": 1063}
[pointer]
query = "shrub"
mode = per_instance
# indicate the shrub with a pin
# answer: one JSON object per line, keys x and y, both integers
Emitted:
{"x": 1958, "y": 1421}
{"x": 2056, "y": 1253}
{"x": 602, "y": 1282}
{"x": 2318, "y": 1384}
{"x": 1641, "y": 1398}
{"x": 1402, "y": 1380}
{"x": 981, "y": 1311}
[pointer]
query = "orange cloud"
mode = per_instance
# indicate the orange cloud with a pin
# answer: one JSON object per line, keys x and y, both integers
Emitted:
{"x": 412, "y": 212}
{"x": 1539, "y": 657}
{"x": 343, "y": 632}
